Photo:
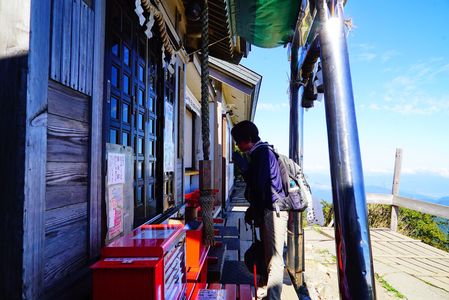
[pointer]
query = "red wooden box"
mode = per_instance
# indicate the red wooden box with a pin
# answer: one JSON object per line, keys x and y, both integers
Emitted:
{"x": 138, "y": 279}
{"x": 146, "y": 264}
{"x": 196, "y": 253}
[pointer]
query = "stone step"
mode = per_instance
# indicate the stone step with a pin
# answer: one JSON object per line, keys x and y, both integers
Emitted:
{"x": 215, "y": 270}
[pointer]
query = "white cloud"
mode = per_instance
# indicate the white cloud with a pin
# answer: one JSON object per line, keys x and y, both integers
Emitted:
{"x": 443, "y": 172}
{"x": 388, "y": 55}
{"x": 364, "y": 52}
{"x": 413, "y": 91}
{"x": 415, "y": 105}
{"x": 368, "y": 52}
{"x": 366, "y": 56}
{"x": 308, "y": 167}
{"x": 378, "y": 171}
{"x": 272, "y": 107}
{"x": 320, "y": 186}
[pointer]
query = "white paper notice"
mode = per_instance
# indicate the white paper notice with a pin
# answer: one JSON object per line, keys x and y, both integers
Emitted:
{"x": 111, "y": 218}
{"x": 211, "y": 294}
{"x": 115, "y": 211}
{"x": 169, "y": 146}
{"x": 116, "y": 168}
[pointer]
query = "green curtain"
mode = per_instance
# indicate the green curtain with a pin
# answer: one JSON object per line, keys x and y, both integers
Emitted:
{"x": 264, "y": 23}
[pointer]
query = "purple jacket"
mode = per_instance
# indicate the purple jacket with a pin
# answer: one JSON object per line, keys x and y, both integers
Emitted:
{"x": 263, "y": 173}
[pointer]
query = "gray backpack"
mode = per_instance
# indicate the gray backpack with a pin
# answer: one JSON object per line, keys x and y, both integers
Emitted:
{"x": 295, "y": 186}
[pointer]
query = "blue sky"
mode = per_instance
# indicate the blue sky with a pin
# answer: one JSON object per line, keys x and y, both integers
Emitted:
{"x": 399, "y": 55}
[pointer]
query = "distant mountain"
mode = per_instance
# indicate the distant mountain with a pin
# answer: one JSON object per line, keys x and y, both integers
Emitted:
{"x": 424, "y": 186}
{"x": 443, "y": 201}
{"x": 377, "y": 189}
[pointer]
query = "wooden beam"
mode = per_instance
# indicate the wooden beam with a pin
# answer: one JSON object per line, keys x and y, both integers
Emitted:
{"x": 422, "y": 206}
{"x": 36, "y": 148}
{"x": 386, "y": 199}
{"x": 95, "y": 180}
{"x": 230, "y": 81}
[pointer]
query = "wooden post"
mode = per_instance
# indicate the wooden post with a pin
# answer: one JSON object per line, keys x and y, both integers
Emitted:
{"x": 96, "y": 131}
{"x": 24, "y": 65}
{"x": 395, "y": 189}
{"x": 207, "y": 200}
{"x": 206, "y": 175}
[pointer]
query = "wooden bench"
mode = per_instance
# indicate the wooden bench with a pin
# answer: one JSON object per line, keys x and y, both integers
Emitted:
{"x": 233, "y": 291}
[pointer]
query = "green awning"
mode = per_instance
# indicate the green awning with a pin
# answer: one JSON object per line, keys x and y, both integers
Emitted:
{"x": 264, "y": 23}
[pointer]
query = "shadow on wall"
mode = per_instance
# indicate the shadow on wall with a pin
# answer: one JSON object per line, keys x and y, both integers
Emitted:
{"x": 13, "y": 76}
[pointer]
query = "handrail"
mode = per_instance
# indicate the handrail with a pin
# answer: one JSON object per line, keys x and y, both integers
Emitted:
{"x": 422, "y": 206}
{"x": 410, "y": 203}
{"x": 386, "y": 199}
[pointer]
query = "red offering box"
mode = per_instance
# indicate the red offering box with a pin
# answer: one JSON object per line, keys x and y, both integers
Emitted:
{"x": 195, "y": 249}
{"x": 146, "y": 264}
{"x": 196, "y": 253}
{"x": 145, "y": 241}
{"x": 139, "y": 279}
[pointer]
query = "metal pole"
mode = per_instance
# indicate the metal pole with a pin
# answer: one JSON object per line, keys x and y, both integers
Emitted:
{"x": 295, "y": 243}
{"x": 355, "y": 267}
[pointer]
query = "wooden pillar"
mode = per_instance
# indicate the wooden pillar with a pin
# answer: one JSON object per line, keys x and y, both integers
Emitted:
{"x": 24, "y": 64}
{"x": 96, "y": 132}
{"x": 395, "y": 189}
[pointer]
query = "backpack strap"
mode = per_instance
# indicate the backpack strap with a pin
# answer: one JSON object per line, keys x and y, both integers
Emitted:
{"x": 276, "y": 194}
{"x": 276, "y": 204}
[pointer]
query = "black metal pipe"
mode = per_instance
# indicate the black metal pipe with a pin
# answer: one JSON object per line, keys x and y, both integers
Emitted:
{"x": 295, "y": 245}
{"x": 294, "y": 89}
{"x": 355, "y": 267}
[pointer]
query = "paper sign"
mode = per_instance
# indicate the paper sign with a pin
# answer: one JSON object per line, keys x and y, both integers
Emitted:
{"x": 169, "y": 146}
{"x": 116, "y": 168}
{"x": 211, "y": 294}
{"x": 115, "y": 212}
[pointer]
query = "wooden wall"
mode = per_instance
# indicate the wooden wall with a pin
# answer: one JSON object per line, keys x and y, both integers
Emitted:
{"x": 23, "y": 102}
{"x": 72, "y": 38}
{"x": 67, "y": 224}
{"x": 66, "y": 213}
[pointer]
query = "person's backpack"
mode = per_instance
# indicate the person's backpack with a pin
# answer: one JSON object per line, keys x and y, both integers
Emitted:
{"x": 297, "y": 191}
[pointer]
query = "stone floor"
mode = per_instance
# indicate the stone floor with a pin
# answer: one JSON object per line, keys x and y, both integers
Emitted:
{"x": 405, "y": 268}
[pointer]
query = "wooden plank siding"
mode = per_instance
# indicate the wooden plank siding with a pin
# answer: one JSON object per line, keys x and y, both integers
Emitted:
{"x": 65, "y": 242}
{"x": 66, "y": 41}
{"x": 71, "y": 55}
{"x": 90, "y": 47}
{"x": 67, "y": 139}
{"x": 76, "y": 14}
{"x": 83, "y": 48}
{"x": 67, "y": 103}
{"x": 67, "y": 176}
{"x": 56, "y": 37}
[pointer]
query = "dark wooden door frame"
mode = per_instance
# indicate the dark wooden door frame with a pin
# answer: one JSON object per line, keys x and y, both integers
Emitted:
{"x": 153, "y": 59}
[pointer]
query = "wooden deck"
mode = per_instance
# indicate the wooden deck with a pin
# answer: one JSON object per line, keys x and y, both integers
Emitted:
{"x": 415, "y": 270}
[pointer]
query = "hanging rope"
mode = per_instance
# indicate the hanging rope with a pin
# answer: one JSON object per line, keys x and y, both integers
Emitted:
{"x": 205, "y": 80}
{"x": 206, "y": 195}
{"x": 159, "y": 18}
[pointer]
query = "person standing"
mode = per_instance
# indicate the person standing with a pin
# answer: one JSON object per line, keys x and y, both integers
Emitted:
{"x": 262, "y": 176}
